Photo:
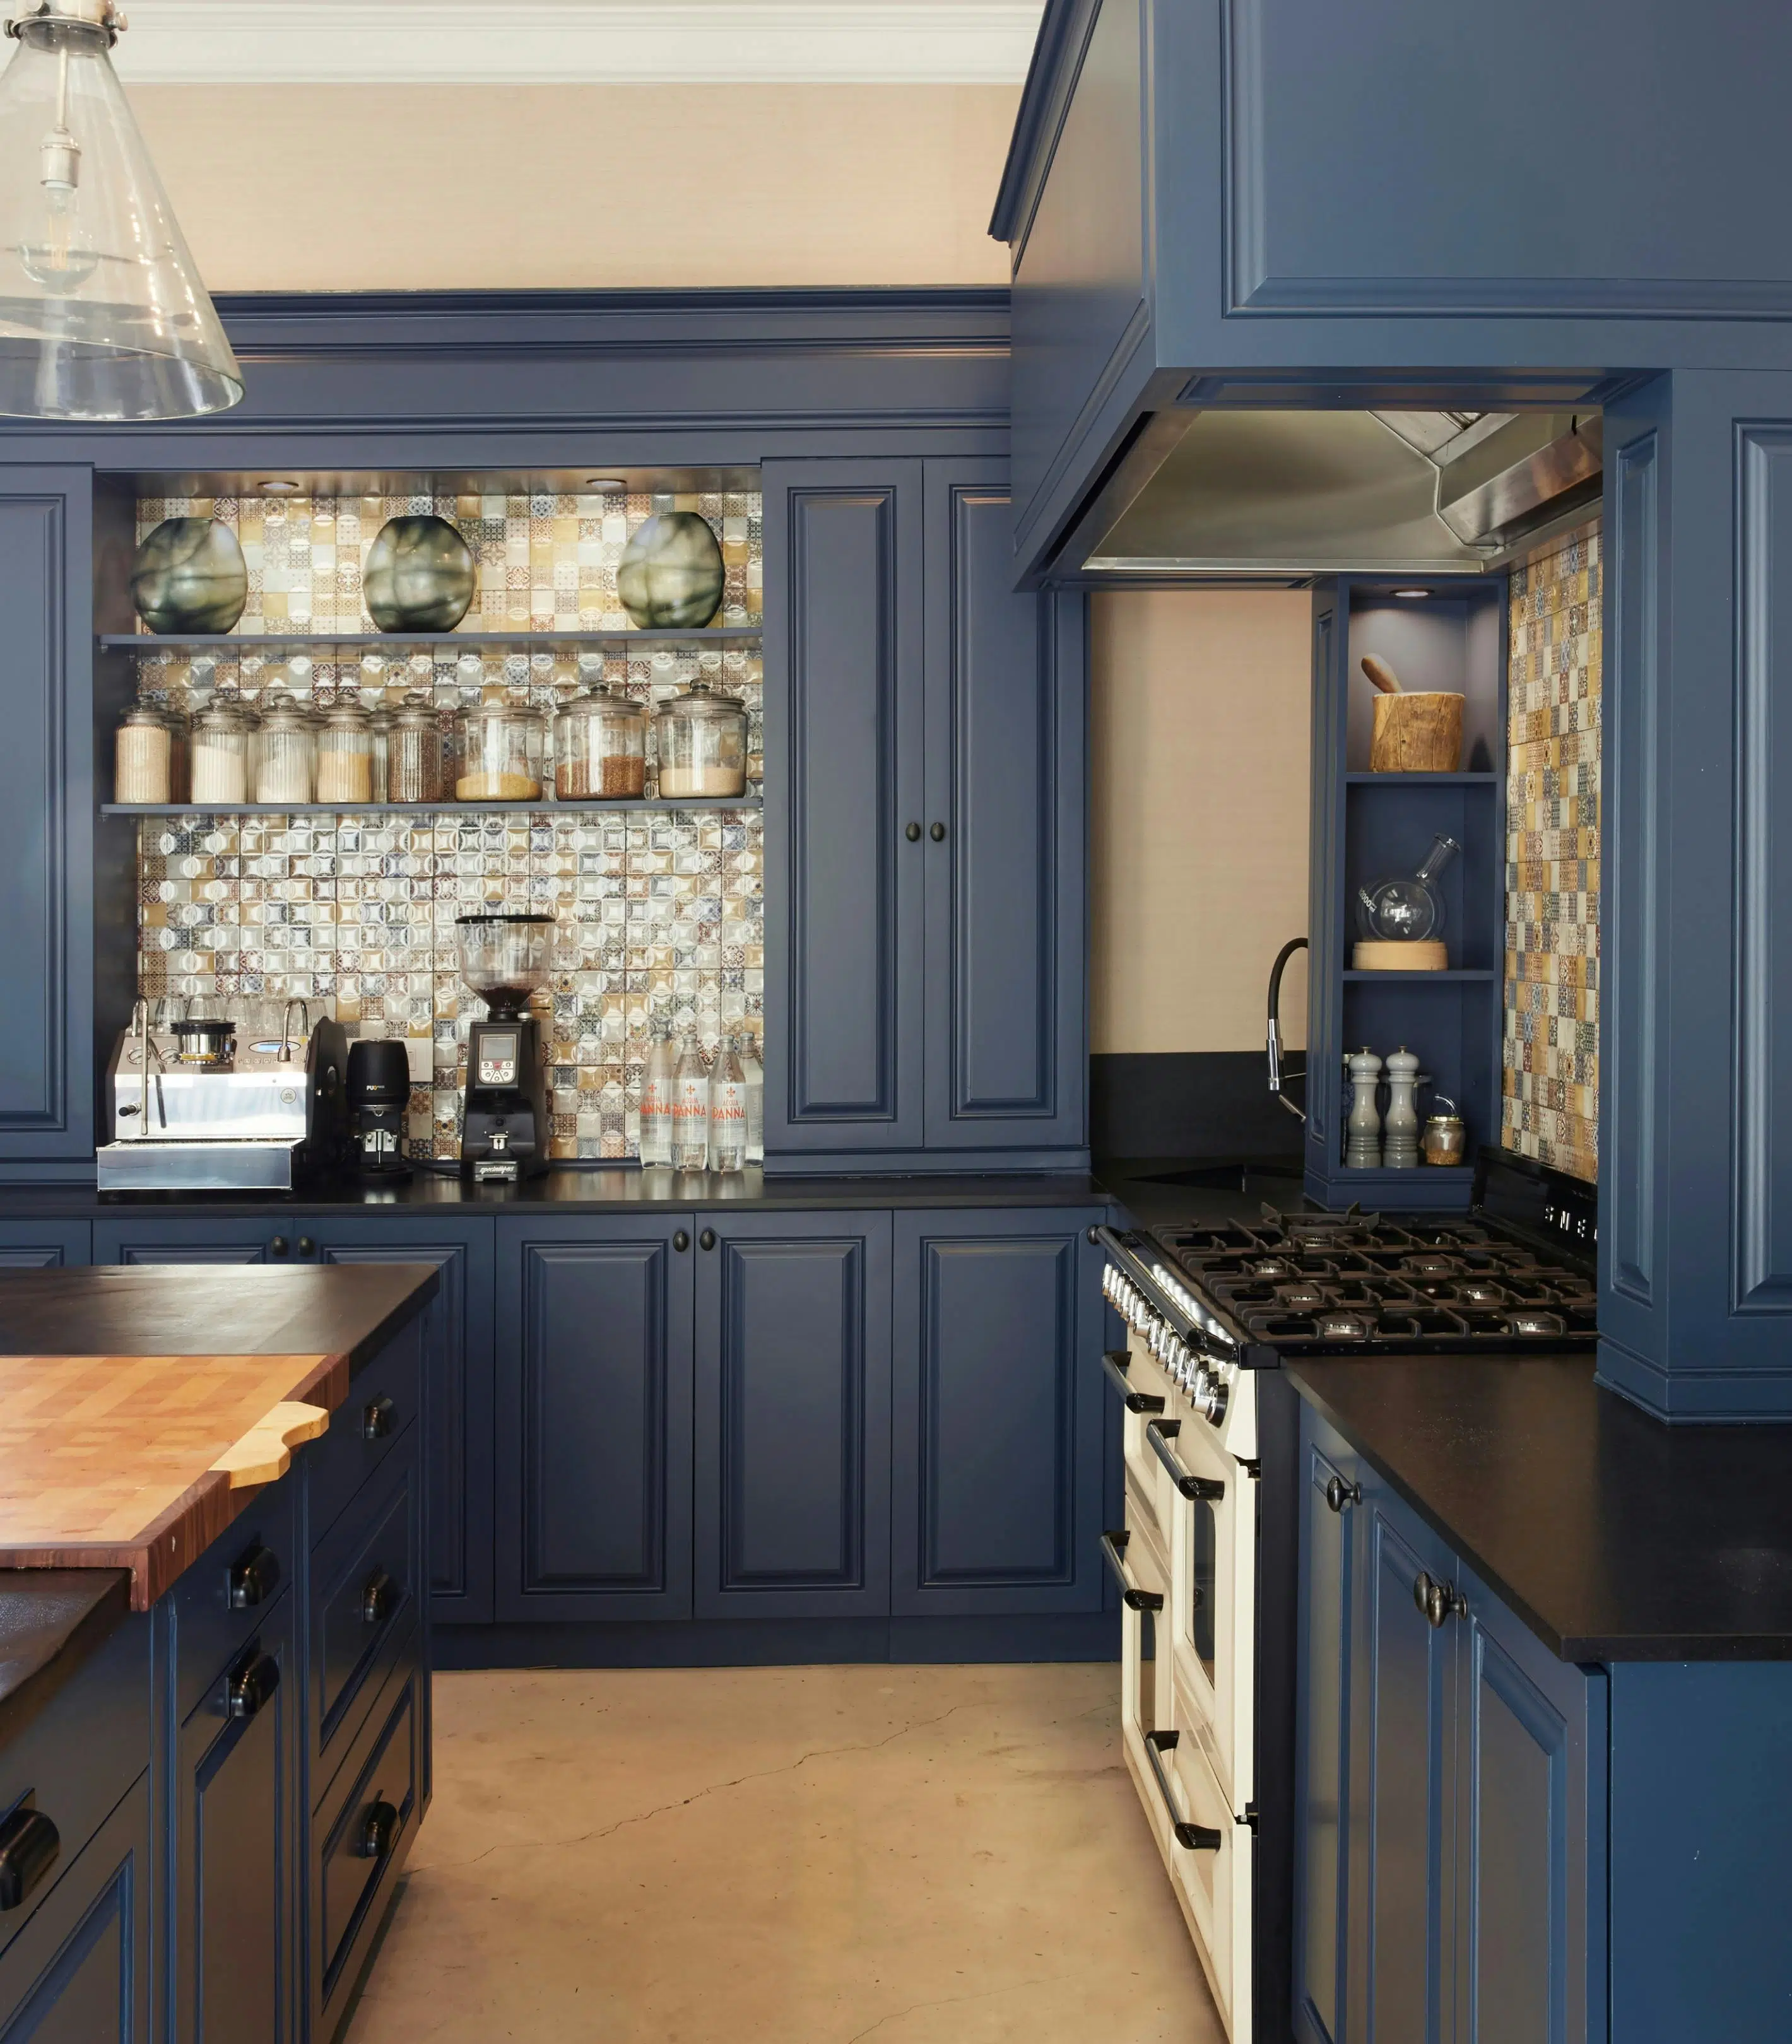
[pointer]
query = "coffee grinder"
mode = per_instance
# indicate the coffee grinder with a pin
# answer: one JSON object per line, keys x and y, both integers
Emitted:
{"x": 378, "y": 1101}
{"x": 504, "y": 1128}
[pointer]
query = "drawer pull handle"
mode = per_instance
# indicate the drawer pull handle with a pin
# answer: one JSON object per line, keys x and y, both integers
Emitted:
{"x": 1438, "y": 1601}
{"x": 1114, "y": 1368}
{"x": 379, "y": 1598}
{"x": 379, "y": 1827}
{"x": 255, "y": 1576}
{"x": 378, "y": 1418}
{"x": 1113, "y": 1552}
{"x": 1197, "y": 1838}
{"x": 1339, "y": 1493}
{"x": 251, "y": 1685}
{"x": 1203, "y": 1488}
{"x": 28, "y": 1846}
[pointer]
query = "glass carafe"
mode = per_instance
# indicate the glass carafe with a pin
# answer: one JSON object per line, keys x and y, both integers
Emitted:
{"x": 1409, "y": 910}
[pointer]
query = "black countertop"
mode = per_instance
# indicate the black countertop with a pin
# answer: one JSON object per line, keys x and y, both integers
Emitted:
{"x": 1614, "y": 1537}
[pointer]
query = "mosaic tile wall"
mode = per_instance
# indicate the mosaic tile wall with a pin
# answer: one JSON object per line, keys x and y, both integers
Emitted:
{"x": 660, "y": 913}
{"x": 1550, "y": 1082}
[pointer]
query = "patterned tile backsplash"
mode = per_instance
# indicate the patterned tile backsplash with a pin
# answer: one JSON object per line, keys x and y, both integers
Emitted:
{"x": 1550, "y": 1082}
{"x": 660, "y": 912}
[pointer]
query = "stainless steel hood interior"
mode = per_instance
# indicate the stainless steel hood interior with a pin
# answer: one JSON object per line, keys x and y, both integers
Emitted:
{"x": 1290, "y": 493}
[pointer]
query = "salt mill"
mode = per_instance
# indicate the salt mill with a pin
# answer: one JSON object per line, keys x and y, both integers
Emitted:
{"x": 1400, "y": 1132}
{"x": 1362, "y": 1131}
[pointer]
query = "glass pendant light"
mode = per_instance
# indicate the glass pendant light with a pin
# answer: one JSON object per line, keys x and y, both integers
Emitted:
{"x": 103, "y": 315}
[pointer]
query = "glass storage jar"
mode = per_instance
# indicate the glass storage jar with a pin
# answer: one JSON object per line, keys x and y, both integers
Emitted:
{"x": 414, "y": 759}
{"x": 221, "y": 733}
{"x": 345, "y": 755}
{"x": 702, "y": 740}
{"x": 600, "y": 747}
{"x": 502, "y": 745}
{"x": 284, "y": 751}
{"x": 143, "y": 757}
{"x": 379, "y": 736}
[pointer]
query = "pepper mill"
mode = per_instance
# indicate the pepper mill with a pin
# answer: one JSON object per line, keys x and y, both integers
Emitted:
{"x": 1362, "y": 1131}
{"x": 1400, "y": 1132}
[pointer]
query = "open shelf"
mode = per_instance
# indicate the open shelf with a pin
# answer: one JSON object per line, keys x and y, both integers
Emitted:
{"x": 445, "y": 809}
{"x": 722, "y": 637}
{"x": 1453, "y": 975}
{"x": 1366, "y": 780}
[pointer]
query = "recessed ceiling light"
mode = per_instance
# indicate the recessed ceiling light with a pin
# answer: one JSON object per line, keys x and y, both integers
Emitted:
{"x": 605, "y": 485}
{"x": 277, "y": 486}
{"x": 1413, "y": 595}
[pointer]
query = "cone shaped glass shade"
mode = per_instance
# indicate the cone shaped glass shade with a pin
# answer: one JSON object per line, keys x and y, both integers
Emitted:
{"x": 103, "y": 315}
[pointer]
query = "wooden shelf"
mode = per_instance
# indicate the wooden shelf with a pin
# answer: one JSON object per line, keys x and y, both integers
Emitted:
{"x": 418, "y": 809}
{"x": 1455, "y": 977}
{"x": 722, "y": 638}
{"x": 1421, "y": 780}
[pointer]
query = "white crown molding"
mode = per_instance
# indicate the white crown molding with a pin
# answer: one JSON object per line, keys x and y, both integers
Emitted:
{"x": 611, "y": 42}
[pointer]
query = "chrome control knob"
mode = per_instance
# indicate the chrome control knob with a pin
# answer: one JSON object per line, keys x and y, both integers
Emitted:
{"x": 1209, "y": 1398}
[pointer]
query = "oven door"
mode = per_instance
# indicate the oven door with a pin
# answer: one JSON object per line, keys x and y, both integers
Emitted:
{"x": 1210, "y": 1853}
{"x": 1143, "y": 1570}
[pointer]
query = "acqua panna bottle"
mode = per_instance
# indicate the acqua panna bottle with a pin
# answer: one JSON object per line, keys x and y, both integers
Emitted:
{"x": 658, "y": 1089}
{"x": 690, "y": 1110}
{"x": 727, "y": 1111}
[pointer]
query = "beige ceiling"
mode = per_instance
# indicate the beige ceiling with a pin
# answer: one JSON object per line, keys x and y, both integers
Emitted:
{"x": 346, "y": 187}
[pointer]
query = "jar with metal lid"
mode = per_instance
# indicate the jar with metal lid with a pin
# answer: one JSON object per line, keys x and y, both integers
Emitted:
{"x": 1445, "y": 1140}
{"x": 345, "y": 755}
{"x": 413, "y": 762}
{"x": 284, "y": 751}
{"x": 502, "y": 745}
{"x": 600, "y": 747}
{"x": 144, "y": 756}
{"x": 221, "y": 735}
{"x": 702, "y": 740}
{"x": 379, "y": 736}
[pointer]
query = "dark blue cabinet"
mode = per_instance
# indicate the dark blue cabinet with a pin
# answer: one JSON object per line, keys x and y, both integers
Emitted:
{"x": 78, "y": 1972}
{"x": 235, "y": 1814}
{"x": 44, "y": 1245}
{"x": 792, "y": 1415}
{"x": 170, "y": 1237}
{"x": 997, "y": 1417}
{"x": 594, "y": 1350}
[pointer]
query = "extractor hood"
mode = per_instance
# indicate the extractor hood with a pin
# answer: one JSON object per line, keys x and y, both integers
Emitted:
{"x": 1290, "y": 493}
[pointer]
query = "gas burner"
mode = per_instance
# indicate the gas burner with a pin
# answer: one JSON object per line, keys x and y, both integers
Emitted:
{"x": 1431, "y": 1265}
{"x": 1273, "y": 1270}
{"x": 1483, "y": 1292}
{"x": 1530, "y": 1321}
{"x": 1302, "y": 1298}
{"x": 1343, "y": 1327}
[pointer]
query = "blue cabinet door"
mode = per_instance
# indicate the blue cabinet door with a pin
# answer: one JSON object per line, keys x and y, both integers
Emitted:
{"x": 45, "y": 1245}
{"x": 459, "y": 1389}
{"x": 843, "y": 791}
{"x": 1400, "y": 1811}
{"x": 793, "y": 1416}
{"x": 1530, "y": 1745}
{"x": 594, "y": 1417}
{"x": 996, "y": 1412}
{"x": 1329, "y": 1524}
{"x": 1003, "y": 850}
{"x": 236, "y": 1817}
{"x": 173, "y": 1239}
{"x": 78, "y": 1972}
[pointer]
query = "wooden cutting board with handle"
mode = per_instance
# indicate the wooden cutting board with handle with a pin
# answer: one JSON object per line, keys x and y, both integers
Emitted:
{"x": 140, "y": 1461}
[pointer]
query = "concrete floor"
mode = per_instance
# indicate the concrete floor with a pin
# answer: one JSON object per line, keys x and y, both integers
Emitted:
{"x": 785, "y": 1856}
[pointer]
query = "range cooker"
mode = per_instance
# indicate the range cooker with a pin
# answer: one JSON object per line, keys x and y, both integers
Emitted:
{"x": 1206, "y": 1556}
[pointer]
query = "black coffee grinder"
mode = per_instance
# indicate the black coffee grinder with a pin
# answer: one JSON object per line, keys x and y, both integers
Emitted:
{"x": 379, "y": 1099}
{"x": 505, "y": 1129}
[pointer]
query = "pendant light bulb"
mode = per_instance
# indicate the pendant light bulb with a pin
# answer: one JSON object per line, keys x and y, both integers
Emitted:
{"x": 102, "y": 314}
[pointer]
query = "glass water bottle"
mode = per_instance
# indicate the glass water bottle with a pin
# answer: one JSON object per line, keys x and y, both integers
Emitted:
{"x": 658, "y": 1095}
{"x": 753, "y": 1071}
{"x": 690, "y": 1110}
{"x": 727, "y": 1111}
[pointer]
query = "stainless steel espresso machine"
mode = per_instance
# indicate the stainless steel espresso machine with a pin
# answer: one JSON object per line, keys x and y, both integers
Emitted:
{"x": 198, "y": 1107}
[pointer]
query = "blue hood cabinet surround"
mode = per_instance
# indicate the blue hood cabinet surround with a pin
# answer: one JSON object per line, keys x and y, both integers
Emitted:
{"x": 1275, "y": 203}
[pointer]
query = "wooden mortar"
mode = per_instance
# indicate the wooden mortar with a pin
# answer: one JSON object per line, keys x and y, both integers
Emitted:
{"x": 1417, "y": 732}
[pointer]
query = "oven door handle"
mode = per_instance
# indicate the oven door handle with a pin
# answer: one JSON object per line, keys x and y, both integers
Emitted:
{"x": 1113, "y": 1552}
{"x": 1197, "y": 1838}
{"x": 1113, "y": 1367}
{"x": 1160, "y": 1433}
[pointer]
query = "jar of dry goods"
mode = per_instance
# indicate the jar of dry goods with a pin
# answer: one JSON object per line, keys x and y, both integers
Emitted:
{"x": 144, "y": 756}
{"x": 600, "y": 747}
{"x": 501, "y": 746}
{"x": 702, "y": 740}
{"x": 345, "y": 755}
{"x": 413, "y": 769}
{"x": 221, "y": 733}
{"x": 379, "y": 739}
{"x": 284, "y": 751}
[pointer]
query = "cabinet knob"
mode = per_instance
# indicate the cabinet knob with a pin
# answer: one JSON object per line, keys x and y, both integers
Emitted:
{"x": 378, "y": 1417}
{"x": 1439, "y": 1601}
{"x": 378, "y": 1828}
{"x": 912, "y": 832}
{"x": 681, "y": 1242}
{"x": 254, "y": 1575}
{"x": 1339, "y": 1493}
{"x": 252, "y": 1684}
{"x": 306, "y": 1246}
{"x": 379, "y": 1598}
{"x": 707, "y": 1238}
{"x": 277, "y": 1246}
{"x": 937, "y": 832}
{"x": 28, "y": 1846}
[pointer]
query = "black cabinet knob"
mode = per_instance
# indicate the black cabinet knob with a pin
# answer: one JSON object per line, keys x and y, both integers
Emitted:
{"x": 1339, "y": 1493}
{"x": 252, "y": 1684}
{"x": 937, "y": 832}
{"x": 28, "y": 1846}
{"x": 707, "y": 1238}
{"x": 1439, "y": 1601}
{"x": 378, "y": 1417}
{"x": 379, "y": 1598}
{"x": 681, "y": 1242}
{"x": 277, "y": 1246}
{"x": 254, "y": 1575}
{"x": 306, "y": 1246}
{"x": 379, "y": 1827}
{"x": 912, "y": 832}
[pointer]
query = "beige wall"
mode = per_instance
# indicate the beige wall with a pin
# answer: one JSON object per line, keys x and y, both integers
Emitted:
{"x": 1199, "y": 734}
{"x": 358, "y": 187}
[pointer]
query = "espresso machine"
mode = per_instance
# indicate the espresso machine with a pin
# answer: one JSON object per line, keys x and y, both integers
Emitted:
{"x": 200, "y": 1106}
{"x": 506, "y": 1127}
